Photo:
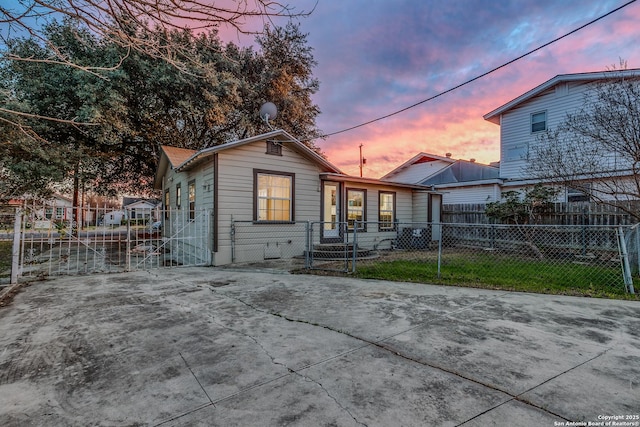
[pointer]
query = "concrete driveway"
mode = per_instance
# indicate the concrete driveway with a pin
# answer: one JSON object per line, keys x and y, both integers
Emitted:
{"x": 211, "y": 347}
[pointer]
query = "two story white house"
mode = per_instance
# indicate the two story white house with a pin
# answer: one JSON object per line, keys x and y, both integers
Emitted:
{"x": 524, "y": 119}
{"x": 522, "y": 122}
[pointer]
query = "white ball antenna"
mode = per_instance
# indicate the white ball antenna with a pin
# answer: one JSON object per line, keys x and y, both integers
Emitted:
{"x": 268, "y": 111}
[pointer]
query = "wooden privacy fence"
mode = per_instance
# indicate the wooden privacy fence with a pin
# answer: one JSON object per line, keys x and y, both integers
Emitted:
{"x": 573, "y": 213}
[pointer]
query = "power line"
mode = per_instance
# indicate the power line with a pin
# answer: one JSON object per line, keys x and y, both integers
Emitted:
{"x": 481, "y": 75}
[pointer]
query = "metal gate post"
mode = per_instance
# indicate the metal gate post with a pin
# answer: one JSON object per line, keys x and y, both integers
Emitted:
{"x": 440, "y": 250}
{"x": 307, "y": 250}
{"x": 232, "y": 235}
{"x": 128, "y": 241}
{"x": 636, "y": 230}
{"x": 15, "y": 251}
{"x": 624, "y": 255}
{"x": 355, "y": 245}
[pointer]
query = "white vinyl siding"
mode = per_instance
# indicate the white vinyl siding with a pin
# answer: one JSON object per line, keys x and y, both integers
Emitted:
{"x": 516, "y": 138}
{"x": 471, "y": 194}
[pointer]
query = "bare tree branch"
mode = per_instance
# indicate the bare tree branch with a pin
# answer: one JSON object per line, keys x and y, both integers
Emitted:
{"x": 596, "y": 150}
{"x": 129, "y": 24}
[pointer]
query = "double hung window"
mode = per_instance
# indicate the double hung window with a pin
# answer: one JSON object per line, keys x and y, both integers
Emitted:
{"x": 273, "y": 196}
{"x": 387, "y": 211}
{"x": 356, "y": 208}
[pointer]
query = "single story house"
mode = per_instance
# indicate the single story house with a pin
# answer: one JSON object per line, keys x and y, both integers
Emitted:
{"x": 273, "y": 182}
{"x": 141, "y": 209}
{"x": 459, "y": 181}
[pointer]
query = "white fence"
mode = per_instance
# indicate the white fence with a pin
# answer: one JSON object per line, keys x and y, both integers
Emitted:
{"x": 108, "y": 243}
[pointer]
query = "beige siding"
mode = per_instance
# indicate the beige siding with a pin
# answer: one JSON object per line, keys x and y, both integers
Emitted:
{"x": 235, "y": 192}
{"x": 255, "y": 242}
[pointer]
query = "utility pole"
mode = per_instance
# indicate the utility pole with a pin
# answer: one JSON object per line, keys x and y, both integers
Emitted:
{"x": 363, "y": 161}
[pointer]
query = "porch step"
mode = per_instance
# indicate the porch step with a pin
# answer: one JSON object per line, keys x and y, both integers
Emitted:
{"x": 340, "y": 251}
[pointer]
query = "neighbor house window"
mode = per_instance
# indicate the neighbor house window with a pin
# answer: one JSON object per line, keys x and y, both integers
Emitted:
{"x": 59, "y": 212}
{"x": 516, "y": 152}
{"x": 273, "y": 199}
{"x": 167, "y": 204}
{"x": 387, "y": 211}
{"x": 178, "y": 196}
{"x": 539, "y": 122}
{"x": 48, "y": 213}
{"x": 356, "y": 208}
{"x": 192, "y": 199}
{"x": 579, "y": 194}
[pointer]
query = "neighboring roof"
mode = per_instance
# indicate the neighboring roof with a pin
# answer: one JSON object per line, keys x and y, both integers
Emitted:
{"x": 494, "y": 116}
{"x": 340, "y": 177}
{"x": 463, "y": 171}
{"x": 129, "y": 201}
{"x": 417, "y": 159}
{"x": 176, "y": 155}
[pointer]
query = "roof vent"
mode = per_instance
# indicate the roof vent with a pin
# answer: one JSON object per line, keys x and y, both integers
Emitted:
{"x": 472, "y": 160}
{"x": 448, "y": 155}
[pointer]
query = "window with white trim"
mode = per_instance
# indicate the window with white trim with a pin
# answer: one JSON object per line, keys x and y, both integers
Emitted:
{"x": 539, "y": 122}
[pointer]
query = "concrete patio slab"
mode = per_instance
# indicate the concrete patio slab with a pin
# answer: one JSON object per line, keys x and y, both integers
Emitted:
{"x": 224, "y": 347}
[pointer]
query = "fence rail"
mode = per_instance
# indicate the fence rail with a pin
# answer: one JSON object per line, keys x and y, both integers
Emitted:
{"x": 567, "y": 255}
{"x": 605, "y": 257}
{"x": 44, "y": 244}
{"x": 572, "y": 213}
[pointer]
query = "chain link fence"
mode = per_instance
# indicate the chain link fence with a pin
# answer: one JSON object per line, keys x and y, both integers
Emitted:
{"x": 545, "y": 257}
{"x": 549, "y": 257}
{"x": 251, "y": 241}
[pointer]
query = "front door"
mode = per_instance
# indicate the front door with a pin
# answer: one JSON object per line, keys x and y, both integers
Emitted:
{"x": 331, "y": 211}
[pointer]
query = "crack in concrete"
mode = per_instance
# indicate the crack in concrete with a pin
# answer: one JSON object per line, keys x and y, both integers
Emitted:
{"x": 289, "y": 370}
{"x": 519, "y": 397}
{"x": 380, "y": 344}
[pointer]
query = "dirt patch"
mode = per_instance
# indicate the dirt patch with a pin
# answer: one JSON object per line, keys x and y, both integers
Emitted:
{"x": 7, "y": 295}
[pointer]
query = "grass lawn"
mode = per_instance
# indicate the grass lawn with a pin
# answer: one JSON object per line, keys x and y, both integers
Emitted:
{"x": 512, "y": 274}
{"x": 5, "y": 258}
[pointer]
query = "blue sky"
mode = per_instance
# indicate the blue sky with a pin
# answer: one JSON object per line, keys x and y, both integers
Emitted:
{"x": 376, "y": 57}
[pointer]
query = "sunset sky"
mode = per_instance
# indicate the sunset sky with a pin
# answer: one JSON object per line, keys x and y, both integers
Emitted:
{"x": 376, "y": 57}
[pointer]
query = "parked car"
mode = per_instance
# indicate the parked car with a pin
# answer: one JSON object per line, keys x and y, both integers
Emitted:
{"x": 156, "y": 226}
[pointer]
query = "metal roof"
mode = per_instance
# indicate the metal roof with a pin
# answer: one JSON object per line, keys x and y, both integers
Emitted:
{"x": 463, "y": 171}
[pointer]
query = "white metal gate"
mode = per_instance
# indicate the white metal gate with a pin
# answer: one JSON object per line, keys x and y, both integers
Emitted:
{"x": 50, "y": 241}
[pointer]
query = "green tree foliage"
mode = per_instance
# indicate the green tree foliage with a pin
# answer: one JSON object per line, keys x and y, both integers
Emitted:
{"x": 522, "y": 208}
{"x": 39, "y": 155}
{"x": 143, "y": 103}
